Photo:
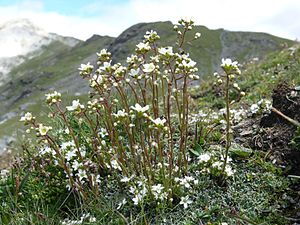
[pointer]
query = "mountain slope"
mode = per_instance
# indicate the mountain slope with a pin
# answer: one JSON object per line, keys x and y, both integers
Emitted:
{"x": 55, "y": 67}
{"x": 208, "y": 49}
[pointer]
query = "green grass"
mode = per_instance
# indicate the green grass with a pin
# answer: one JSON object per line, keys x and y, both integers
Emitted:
{"x": 257, "y": 79}
{"x": 45, "y": 201}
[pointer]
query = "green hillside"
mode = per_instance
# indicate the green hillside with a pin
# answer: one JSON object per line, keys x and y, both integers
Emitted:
{"x": 53, "y": 69}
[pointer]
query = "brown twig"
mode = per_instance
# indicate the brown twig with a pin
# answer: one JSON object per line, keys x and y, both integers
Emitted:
{"x": 292, "y": 121}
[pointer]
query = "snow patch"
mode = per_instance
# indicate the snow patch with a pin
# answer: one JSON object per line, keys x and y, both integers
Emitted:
{"x": 20, "y": 37}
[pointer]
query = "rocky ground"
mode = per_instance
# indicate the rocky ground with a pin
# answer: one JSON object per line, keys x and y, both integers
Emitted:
{"x": 278, "y": 139}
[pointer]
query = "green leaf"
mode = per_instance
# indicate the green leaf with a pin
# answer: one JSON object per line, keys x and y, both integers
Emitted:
{"x": 198, "y": 150}
{"x": 240, "y": 151}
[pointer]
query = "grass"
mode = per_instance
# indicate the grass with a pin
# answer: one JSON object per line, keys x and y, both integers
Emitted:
{"x": 212, "y": 204}
{"x": 258, "y": 79}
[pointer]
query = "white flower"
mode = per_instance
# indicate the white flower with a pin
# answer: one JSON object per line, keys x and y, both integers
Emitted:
{"x": 254, "y": 108}
{"x": 143, "y": 46}
{"x": 229, "y": 171}
{"x": 27, "y": 117}
{"x": 70, "y": 155}
{"x": 46, "y": 150}
{"x": 159, "y": 122}
{"x": 185, "y": 201}
{"x": 66, "y": 145}
{"x": 102, "y": 132}
{"x": 67, "y": 131}
{"x": 75, "y": 106}
{"x": 148, "y": 68}
{"x": 44, "y": 129}
{"x": 137, "y": 198}
{"x": 235, "y": 85}
{"x": 189, "y": 64}
{"x": 151, "y": 36}
{"x": 132, "y": 59}
{"x": 157, "y": 189}
{"x": 86, "y": 67}
{"x": 105, "y": 66}
{"x": 115, "y": 165}
{"x": 96, "y": 80}
{"x": 166, "y": 51}
{"x": 139, "y": 108}
{"x": 120, "y": 114}
{"x": 121, "y": 204}
{"x": 103, "y": 53}
{"x": 76, "y": 165}
{"x": 134, "y": 73}
{"x": 265, "y": 105}
{"x": 217, "y": 165}
{"x": 92, "y": 219}
{"x": 4, "y": 173}
{"x": 125, "y": 179}
{"x": 228, "y": 63}
{"x": 81, "y": 174}
{"x": 185, "y": 181}
{"x": 230, "y": 66}
{"x": 204, "y": 158}
{"x": 197, "y": 35}
{"x": 52, "y": 98}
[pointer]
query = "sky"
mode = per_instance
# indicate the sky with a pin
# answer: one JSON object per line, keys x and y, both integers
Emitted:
{"x": 83, "y": 18}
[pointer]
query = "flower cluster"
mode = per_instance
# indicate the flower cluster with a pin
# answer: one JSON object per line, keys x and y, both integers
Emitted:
{"x": 4, "y": 174}
{"x": 104, "y": 55}
{"x": 262, "y": 106}
{"x": 230, "y": 67}
{"x": 213, "y": 163}
{"x": 151, "y": 36}
{"x": 76, "y": 106}
{"x": 86, "y": 69}
{"x": 135, "y": 126}
{"x": 53, "y": 98}
{"x": 186, "y": 181}
{"x": 43, "y": 130}
{"x": 139, "y": 191}
{"x": 27, "y": 118}
{"x": 83, "y": 219}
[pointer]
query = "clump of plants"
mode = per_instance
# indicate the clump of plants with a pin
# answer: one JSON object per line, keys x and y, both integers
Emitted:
{"x": 135, "y": 127}
{"x": 136, "y": 142}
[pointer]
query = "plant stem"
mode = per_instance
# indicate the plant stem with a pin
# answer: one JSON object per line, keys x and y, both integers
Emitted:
{"x": 228, "y": 143}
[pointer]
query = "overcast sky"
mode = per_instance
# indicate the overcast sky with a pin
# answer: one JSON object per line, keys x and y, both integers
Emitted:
{"x": 82, "y": 18}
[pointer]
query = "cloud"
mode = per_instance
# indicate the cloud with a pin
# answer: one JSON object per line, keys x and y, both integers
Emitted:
{"x": 105, "y": 17}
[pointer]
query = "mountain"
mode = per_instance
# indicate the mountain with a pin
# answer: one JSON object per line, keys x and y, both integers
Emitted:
{"x": 208, "y": 50}
{"x": 21, "y": 40}
{"x": 52, "y": 64}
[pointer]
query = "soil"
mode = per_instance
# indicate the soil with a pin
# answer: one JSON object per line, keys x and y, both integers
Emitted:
{"x": 273, "y": 134}
{"x": 279, "y": 133}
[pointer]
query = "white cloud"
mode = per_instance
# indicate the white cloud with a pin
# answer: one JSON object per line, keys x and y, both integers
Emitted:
{"x": 278, "y": 17}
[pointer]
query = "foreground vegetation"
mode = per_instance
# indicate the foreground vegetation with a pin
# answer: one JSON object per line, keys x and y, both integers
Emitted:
{"x": 143, "y": 151}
